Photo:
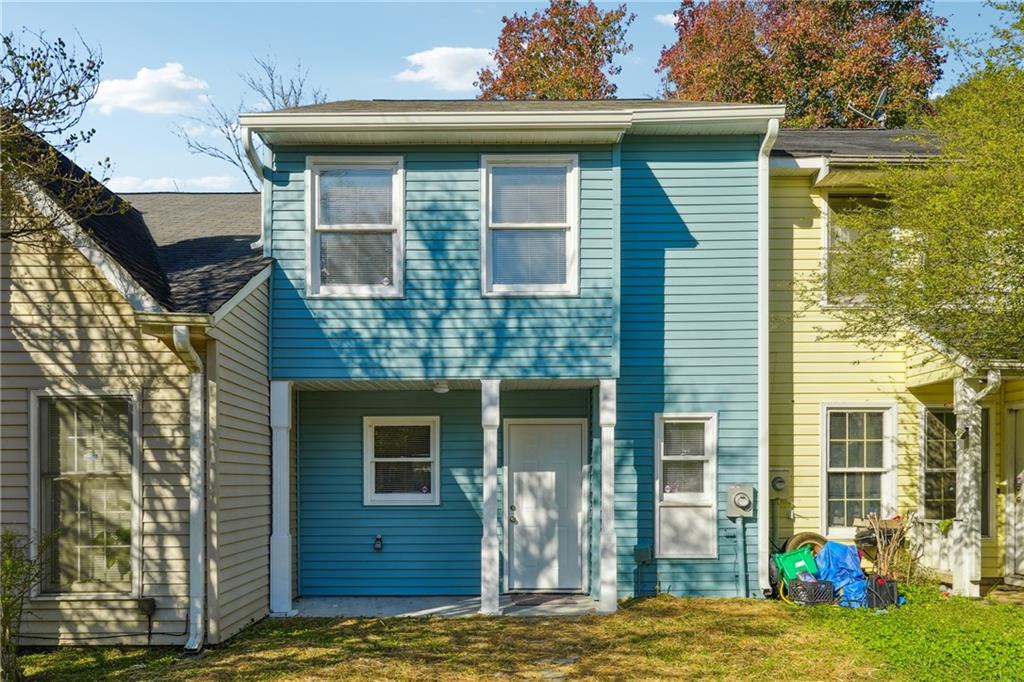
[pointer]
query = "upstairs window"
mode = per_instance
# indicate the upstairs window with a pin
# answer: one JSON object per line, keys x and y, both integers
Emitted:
{"x": 356, "y": 244}
{"x": 530, "y": 240}
{"x": 839, "y": 233}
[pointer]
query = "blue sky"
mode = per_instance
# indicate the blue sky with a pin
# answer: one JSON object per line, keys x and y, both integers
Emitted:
{"x": 162, "y": 61}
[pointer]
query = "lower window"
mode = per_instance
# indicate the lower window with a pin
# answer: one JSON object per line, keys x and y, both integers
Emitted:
{"x": 85, "y": 486}
{"x": 401, "y": 460}
{"x": 858, "y": 469}
{"x": 939, "y": 467}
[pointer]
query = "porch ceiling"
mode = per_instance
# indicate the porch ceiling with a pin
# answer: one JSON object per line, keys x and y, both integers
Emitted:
{"x": 428, "y": 384}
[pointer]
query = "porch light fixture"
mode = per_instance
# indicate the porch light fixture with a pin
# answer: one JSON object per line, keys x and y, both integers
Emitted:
{"x": 441, "y": 387}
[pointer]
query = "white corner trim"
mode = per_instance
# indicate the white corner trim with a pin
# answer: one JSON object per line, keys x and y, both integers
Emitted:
{"x": 609, "y": 586}
{"x": 763, "y": 333}
{"x": 490, "y": 396}
{"x": 571, "y": 287}
{"x": 225, "y": 309}
{"x": 35, "y": 511}
{"x": 119, "y": 278}
{"x": 314, "y": 289}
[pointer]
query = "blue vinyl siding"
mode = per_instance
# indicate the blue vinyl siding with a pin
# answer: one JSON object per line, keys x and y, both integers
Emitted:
{"x": 444, "y": 327}
{"x": 689, "y": 337}
{"x": 427, "y": 550}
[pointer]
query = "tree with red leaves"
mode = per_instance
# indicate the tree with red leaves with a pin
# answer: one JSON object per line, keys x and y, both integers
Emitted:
{"x": 564, "y": 52}
{"x": 815, "y": 57}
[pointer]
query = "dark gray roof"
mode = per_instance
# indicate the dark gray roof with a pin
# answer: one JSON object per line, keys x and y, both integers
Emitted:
{"x": 853, "y": 142}
{"x": 395, "y": 106}
{"x": 203, "y": 243}
{"x": 121, "y": 233}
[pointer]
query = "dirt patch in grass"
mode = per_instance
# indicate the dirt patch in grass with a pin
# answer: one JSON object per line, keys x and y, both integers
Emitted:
{"x": 661, "y": 637}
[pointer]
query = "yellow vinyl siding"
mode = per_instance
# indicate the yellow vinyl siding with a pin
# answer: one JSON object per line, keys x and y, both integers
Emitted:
{"x": 807, "y": 369}
{"x": 63, "y": 326}
{"x": 239, "y": 530}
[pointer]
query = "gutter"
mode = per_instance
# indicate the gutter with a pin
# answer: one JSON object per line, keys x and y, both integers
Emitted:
{"x": 196, "y": 489}
{"x": 263, "y": 175}
{"x": 763, "y": 282}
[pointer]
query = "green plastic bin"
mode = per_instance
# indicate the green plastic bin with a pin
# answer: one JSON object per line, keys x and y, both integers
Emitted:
{"x": 797, "y": 561}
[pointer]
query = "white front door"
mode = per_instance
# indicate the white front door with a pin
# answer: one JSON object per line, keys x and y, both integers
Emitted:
{"x": 543, "y": 505}
{"x": 1015, "y": 459}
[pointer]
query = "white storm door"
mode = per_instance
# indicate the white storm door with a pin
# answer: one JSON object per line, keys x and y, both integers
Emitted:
{"x": 543, "y": 508}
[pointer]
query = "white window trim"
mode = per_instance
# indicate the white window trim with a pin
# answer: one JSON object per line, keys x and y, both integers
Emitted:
{"x": 373, "y": 499}
{"x": 708, "y": 499}
{"x": 316, "y": 164}
{"x": 571, "y": 226}
{"x": 990, "y": 425}
{"x": 35, "y": 470}
{"x": 890, "y": 426}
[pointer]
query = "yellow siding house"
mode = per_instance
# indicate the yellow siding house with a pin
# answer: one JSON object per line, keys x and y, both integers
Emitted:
{"x": 854, "y": 430}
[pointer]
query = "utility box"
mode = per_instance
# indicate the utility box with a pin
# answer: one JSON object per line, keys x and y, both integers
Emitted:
{"x": 739, "y": 501}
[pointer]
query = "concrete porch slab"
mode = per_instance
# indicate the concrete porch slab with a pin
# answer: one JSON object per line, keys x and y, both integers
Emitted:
{"x": 521, "y": 605}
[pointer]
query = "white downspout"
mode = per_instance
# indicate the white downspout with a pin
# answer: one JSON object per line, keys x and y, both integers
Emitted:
{"x": 262, "y": 176}
{"x": 763, "y": 283}
{"x": 196, "y": 488}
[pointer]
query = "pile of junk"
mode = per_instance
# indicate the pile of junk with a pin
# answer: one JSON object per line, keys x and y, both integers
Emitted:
{"x": 808, "y": 569}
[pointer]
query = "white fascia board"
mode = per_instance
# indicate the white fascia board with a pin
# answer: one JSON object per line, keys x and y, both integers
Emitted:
{"x": 243, "y": 293}
{"x": 797, "y": 165}
{"x": 614, "y": 124}
{"x": 119, "y": 278}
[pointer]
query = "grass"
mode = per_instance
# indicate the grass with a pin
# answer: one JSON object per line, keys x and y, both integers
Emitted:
{"x": 662, "y": 637}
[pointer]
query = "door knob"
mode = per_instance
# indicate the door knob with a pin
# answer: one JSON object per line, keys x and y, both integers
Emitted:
{"x": 512, "y": 519}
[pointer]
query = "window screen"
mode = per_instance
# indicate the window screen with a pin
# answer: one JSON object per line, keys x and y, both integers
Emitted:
{"x": 86, "y": 467}
{"x": 356, "y": 196}
{"x": 531, "y": 195}
{"x": 356, "y": 258}
{"x": 528, "y": 256}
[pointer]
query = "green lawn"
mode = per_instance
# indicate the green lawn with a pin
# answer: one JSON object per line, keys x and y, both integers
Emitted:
{"x": 929, "y": 639}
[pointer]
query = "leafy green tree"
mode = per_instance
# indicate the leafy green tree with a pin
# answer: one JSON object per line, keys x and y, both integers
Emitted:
{"x": 44, "y": 89}
{"x": 944, "y": 255}
{"x": 565, "y": 52}
{"x": 814, "y": 57}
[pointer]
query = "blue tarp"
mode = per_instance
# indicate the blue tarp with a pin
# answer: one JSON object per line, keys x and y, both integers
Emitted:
{"x": 841, "y": 564}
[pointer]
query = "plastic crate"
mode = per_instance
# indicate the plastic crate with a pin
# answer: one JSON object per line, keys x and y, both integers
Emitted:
{"x": 817, "y": 592}
{"x": 798, "y": 561}
{"x": 882, "y": 592}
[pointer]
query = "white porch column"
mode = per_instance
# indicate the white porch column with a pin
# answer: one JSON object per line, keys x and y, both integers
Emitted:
{"x": 609, "y": 569}
{"x": 280, "y": 533}
{"x": 966, "y": 559}
{"x": 489, "y": 571}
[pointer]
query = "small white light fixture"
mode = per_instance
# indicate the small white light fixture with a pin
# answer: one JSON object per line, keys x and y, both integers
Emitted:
{"x": 441, "y": 387}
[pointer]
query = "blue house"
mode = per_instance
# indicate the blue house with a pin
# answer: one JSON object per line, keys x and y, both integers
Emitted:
{"x": 517, "y": 347}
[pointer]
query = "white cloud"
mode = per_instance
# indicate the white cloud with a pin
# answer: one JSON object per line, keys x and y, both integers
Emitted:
{"x": 666, "y": 19}
{"x": 448, "y": 68}
{"x": 167, "y": 90}
{"x": 205, "y": 183}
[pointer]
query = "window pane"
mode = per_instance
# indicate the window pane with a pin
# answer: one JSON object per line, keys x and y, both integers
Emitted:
{"x": 837, "y": 454}
{"x": 356, "y": 258}
{"x": 402, "y": 478}
{"x": 874, "y": 425}
{"x": 528, "y": 256}
{"x": 837, "y": 425}
{"x": 873, "y": 456}
{"x": 682, "y": 476}
{"x": 856, "y": 428}
{"x": 401, "y": 441}
{"x": 528, "y": 194}
{"x": 684, "y": 439}
{"x": 356, "y": 196}
{"x": 855, "y": 453}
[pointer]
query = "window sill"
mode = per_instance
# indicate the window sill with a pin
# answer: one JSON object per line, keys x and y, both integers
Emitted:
{"x": 354, "y": 295}
{"x": 531, "y": 294}
{"x": 401, "y": 503}
{"x": 86, "y": 596}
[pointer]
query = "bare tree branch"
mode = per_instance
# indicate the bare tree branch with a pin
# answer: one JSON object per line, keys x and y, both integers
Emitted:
{"x": 272, "y": 89}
